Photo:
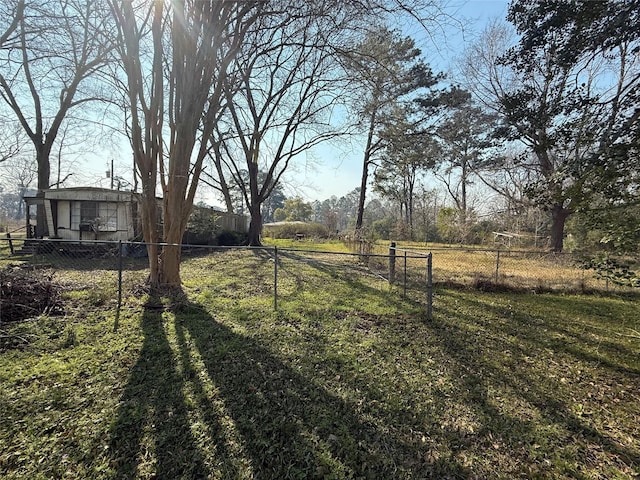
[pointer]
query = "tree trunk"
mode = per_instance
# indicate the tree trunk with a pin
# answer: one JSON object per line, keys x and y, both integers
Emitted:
{"x": 255, "y": 197}
{"x": 149, "y": 217}
{"x": 226, "y": 194}
{"x": 363, "y": 194}
{"x": 463, "y": 181}
{"x": 559, "y": 216}
{"x": 365, "y": 174}
{"x": 224, "y": 187}
{"x": 464, "y": 221}
{"x": 170, "y": 266}
{"x": 255, "y": 227}
{"x": 176, "y": 215}
{"x": 44, "y": 174}
{"x": 410, "y": 202}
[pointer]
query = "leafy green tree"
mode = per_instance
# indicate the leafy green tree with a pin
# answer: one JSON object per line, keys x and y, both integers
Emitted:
{"x": 272, "y": 203}
{"x": 377, "y": 209}
{"x": 409, "y": 152}
{"x": 295, "y": 209}
{"x": 383, "y": 228}
{"x": 388, "y": 71}
{"x": 202, "y": 225}
{"x": 448, "y": 224}
{"x": 604, "y": 31}
{"x": 570, "y": 97}
{"x": 583, "y": 135}
{"x": 466, "y": 143}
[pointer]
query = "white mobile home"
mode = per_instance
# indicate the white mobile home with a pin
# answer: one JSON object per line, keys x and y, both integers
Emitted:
{"x": 89, "y": 213}
{"x": 85, "y": 213}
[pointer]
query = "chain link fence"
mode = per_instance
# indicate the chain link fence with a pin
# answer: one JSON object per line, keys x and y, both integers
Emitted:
{"x": 98, "y": 274}
{"x": 517, "y": 270}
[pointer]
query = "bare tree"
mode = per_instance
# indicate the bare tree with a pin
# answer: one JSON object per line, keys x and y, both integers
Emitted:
{"x": 13, "y": 12}
{"x": 175, "y": 58}
{"x": 13, "y": 140}
{"x": 217, "y": 179}
{"x": 278, "y": 101}
{"x": 481, "y": 73}
{"x": 17, "y": 175}
{"x": 57, "y": 46}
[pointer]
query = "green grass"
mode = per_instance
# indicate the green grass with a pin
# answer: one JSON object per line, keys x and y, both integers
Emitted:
{"x": 345, "y": 380}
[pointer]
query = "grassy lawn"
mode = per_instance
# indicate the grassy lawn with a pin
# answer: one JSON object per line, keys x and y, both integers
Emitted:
{"x": 345, "y": 380}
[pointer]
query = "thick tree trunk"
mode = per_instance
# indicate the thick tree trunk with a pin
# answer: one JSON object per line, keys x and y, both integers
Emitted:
{"x": 224, "y": 187}
{"x": 44, "y": 178}
{"x": 177, "y": 210}
{"x": 228, "y": 202}
{"x": 559, "y": 216}
{"x": 255, "y": 227}
{"x": 171, "y": 255}
{"x": 149, "y": 217}
{"x": 170, "y": 266}
{"x": 255, "y": 201}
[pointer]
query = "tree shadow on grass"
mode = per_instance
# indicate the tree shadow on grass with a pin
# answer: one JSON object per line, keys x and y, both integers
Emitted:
{"x": 477, "y": 362}
{"x": 563, "y": 336}
{"x": 356, "y": 276}
{"x": 290, "y": 426}
{"x": 151, "y": 431}
{"x": 205, "y": 401}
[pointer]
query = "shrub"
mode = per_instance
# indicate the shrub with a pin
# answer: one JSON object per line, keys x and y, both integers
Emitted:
{"x": 227, "y": 238}
{"x": 293, "y": 229}
{"x": 616, "y": 270}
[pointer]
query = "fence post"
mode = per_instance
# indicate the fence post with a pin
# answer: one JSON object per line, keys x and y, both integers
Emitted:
{"x": 10, "y": 243}
{"x": 497, "y": 265}
{"x": 119, "y": 276}
{"x": 275, "y": 279}
{"x": 116, "y": 323}
{"x": 392, "y": 263}
{"x": 430, "y": 286}
{"x": 404, "y": 284}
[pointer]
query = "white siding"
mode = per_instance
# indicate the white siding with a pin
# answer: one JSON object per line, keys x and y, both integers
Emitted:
{"x": 64, "y": 221}
{"x": 64, "y": 214}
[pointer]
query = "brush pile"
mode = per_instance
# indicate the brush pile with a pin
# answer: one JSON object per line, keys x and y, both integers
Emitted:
{"x": 27, "y": 293}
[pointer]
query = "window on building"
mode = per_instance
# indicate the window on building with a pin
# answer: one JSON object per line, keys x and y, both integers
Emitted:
{"x": 96, "y": 216}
